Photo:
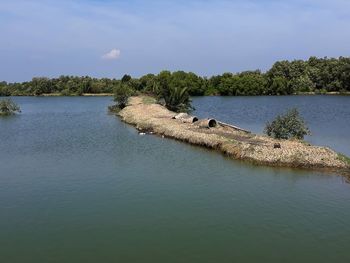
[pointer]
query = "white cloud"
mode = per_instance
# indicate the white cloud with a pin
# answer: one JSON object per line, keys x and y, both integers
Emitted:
{"x": 111, "y": 55}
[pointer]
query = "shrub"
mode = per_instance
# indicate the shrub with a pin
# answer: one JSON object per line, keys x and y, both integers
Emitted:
{"x": 8, "y": 107}
{"x": 289, "y": 125}
{"x": 177, "y": 99}
{"x": 122, "y": 94}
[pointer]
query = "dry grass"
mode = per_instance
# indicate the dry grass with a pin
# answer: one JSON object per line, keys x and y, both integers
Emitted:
{"x": 147, "y": 116}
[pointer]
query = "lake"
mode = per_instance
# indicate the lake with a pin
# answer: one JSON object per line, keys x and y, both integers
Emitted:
{"x": 78, "y": 185}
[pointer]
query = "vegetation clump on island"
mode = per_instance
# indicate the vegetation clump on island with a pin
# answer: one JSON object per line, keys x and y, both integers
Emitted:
{"x": 315, "y": 75}
{"x": 287, "y": 126}
{"x": 8, "y": 107}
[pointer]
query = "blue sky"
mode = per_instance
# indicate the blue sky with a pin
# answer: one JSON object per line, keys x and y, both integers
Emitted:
{"x": 110, "y": 38}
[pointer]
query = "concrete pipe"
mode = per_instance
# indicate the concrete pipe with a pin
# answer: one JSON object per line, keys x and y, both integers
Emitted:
{"x": 184, "y": 117}
{"x": 190, "y": 119}
{"x": 207, "y": 123}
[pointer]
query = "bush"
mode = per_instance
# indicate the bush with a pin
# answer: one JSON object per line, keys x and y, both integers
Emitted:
{"x": 122, "y": 95}
{"x": 177, "y": 99}
{"x": 289, "y": 125}
{"x": 8, "y": 107}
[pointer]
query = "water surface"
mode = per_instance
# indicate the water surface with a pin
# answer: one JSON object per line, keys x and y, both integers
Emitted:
{"x": 78, "y": 185}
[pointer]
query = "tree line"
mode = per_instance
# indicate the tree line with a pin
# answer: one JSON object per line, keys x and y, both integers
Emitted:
{"x": 319, "y": 75}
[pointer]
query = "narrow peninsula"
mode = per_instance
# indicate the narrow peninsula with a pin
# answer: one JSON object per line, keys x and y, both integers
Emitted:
{"x": 148, "y": 116}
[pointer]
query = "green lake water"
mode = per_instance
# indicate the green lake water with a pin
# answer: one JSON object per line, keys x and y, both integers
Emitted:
{"x": 78, "y": 185}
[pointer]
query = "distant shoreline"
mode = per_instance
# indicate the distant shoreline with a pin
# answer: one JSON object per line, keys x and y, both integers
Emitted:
{"x": 60, "y": 95}
{"x": 347, "y": 93}
{"x": 111, "y": 95}
{"x": 304, "y": 77}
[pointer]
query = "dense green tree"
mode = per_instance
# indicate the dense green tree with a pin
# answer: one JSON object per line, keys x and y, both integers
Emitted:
{"x": 280, "y": 69}
{"x": 278, "y": 86}
{"x": 149, "y": 84}
{"x": 126, "y": 78}
{"x": 250, "y": 83}
{"x": 284, "y": 78}
{"x": 344, "y": 73}
{"x": 4, "y": 90}
{"x": 191, "y": 81}
{"x": 301, "y": 84}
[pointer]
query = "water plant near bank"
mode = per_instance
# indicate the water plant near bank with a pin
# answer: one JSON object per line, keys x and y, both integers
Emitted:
{"x": 8, "y": 107}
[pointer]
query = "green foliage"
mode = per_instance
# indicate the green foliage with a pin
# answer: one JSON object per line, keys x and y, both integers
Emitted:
{"x": 301, "y": 84}
{"x": 250, "y": 83}
{"x": 8, "y": 107}
{"x": 149, "y": 84}
{"x": 122, "y": 94}
{"x": 279, "y": 86}
{"x": 289, "y": 125}
{"x": 344, "y": 158}
{"x": 65, "y": 92}
{"x": 177, "y": 99}
{"x": 173, "y": 89}
{"x": 211, "y": 92}
{"x": 318, "y": 75}
{"x": 126, "y": 78}
{"x": 191, "y": 81}
{"x": 4, "y": 90}
{"x": 64, "y": 85}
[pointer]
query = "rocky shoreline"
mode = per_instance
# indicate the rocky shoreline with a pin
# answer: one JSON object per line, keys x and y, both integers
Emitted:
{"x": 147, "y": 116}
